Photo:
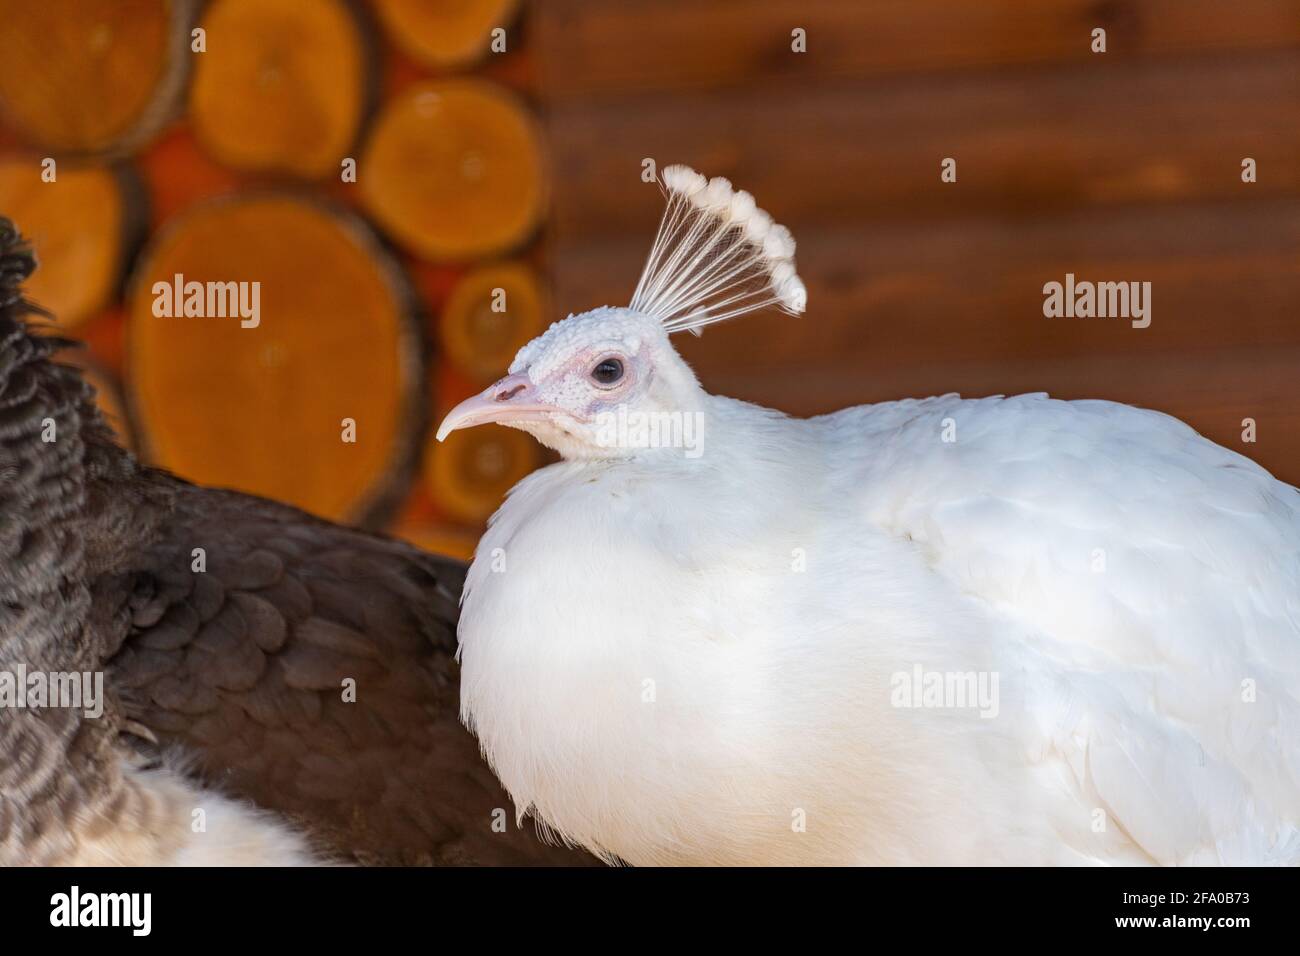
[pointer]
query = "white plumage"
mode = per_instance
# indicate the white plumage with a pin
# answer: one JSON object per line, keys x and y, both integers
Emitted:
{"x": 677, "y": 658}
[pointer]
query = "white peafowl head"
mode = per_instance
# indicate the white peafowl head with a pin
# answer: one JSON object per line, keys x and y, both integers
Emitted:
{"x": 716, "y": 256}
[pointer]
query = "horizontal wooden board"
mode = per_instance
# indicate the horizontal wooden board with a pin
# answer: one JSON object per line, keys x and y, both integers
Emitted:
{"x": 1024, "y": 142}
{"x": 597, "y": 48}
{"x": 1223, "y": 275}
{"x": 1213, "y": 392}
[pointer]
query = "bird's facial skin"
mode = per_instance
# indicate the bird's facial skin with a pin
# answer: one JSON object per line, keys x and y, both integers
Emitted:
{"x": 567, "y": 383}
{"x": 574, "y": 395}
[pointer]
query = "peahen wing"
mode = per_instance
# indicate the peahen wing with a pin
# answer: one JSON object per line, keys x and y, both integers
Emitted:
{"x": 309, "y": 667}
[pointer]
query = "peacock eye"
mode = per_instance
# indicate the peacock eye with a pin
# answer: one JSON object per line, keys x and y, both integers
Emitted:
{"x": 608, "y": 371}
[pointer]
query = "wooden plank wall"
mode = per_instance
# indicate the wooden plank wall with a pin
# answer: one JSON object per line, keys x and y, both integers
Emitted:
{"x": 1117, "y": 166}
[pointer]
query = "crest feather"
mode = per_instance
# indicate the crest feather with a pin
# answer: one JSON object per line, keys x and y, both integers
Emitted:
{"x": 716, "y": 256}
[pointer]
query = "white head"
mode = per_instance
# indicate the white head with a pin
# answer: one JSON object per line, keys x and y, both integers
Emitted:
{"x": 716, "y": 256}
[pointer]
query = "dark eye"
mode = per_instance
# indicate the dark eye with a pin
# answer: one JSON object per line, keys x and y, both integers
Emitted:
{"x": 608, "y": 371}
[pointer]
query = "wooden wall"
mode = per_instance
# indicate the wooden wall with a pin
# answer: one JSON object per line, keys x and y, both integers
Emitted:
{"x": 1124, "y": 165}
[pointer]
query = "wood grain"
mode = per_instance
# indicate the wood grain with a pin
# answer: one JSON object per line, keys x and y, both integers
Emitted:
{"x": 91, "y": 76}
{"x": 261, "y": 408}
{"x": 605, "y": 50}
{"x": 1221, "y": 273}
{"x": 445, "y": 35}
{"x": 83, "y": 225}
{"x": 492, "y": 312}
{"x": 453, "y": 170}
{"x": 282, "y": 86}
{"x": 1026, "y": 142}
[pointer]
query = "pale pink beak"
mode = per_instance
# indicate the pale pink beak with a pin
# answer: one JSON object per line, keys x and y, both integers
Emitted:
{"x": 513, "y": 399}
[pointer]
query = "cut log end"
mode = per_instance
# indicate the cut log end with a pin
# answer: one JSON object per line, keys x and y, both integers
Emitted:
{"x": 445, "y": 34}
{"x": 315, "y": 399}
{"x": 282, "y": 85}
{"x": 454, "y": 170}
{"x": 82, "y": 225}
{"x": 468, "y": 477}
{"x": 92, "y": 76}
{"x": 491, "y": 313}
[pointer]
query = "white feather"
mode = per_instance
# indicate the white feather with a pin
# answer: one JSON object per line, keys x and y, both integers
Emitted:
{"x": 716, "y": 256}
{"x": 653, "y": 678}
{"x": 164, "y": 819}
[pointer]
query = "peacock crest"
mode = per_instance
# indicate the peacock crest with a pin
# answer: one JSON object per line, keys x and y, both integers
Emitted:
{"x": 716, "y": 256}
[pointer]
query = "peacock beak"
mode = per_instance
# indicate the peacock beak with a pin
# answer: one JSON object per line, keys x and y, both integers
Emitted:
{"x": 513, "y": 399}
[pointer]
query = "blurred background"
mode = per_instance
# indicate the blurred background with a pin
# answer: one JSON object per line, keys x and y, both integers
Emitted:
{"x": 420, "y": 186}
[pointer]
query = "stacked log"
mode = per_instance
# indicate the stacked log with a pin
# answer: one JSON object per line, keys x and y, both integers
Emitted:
{"x": 84, "y": 222}
{"x": 300, "y": 379}
{"x": 491, "y": 313}
{"x": 469, "y": 477}
{"x": 92, "y": 76}
{"x": 453, "y": 170}
{"x": 282, "y": 85}
{"x": 445, "y": 35}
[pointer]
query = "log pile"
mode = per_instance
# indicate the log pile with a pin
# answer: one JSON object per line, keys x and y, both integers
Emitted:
{"x": 291, "y": 232}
